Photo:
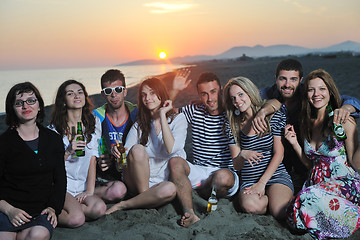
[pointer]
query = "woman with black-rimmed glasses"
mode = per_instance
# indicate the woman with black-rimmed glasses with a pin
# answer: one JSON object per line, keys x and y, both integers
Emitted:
{"x": 32, "y": 172}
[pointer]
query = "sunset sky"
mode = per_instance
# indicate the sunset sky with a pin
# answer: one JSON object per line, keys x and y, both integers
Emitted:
{"x": 73, "y": 33}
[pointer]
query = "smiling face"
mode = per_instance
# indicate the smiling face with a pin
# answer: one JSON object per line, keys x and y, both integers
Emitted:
{"x": 209, "y": 93}
{"x": 150, "y": 99}
{"x": 74, "y": 96}
{"x": 114, "y": 100}
{"x": 318, "y": 93}
{"x": 240, "y": 99}
{"x": 287, "y": 83}
{"x": 26, "y": 112}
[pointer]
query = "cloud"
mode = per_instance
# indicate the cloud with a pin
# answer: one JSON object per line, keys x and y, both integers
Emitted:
{"x": 162, "y": 7}
{"x": 302, "y": 8}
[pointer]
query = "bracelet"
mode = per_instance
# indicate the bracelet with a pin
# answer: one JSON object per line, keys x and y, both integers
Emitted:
{"x": 262, "y": 182}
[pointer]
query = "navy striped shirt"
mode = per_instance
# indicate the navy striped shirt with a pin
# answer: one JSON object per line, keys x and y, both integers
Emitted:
{"x": 210, "y": 143}
{"x": 250, "y": 175}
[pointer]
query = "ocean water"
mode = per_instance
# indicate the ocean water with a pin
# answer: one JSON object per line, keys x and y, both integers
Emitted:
{"x": 48, "y": 80}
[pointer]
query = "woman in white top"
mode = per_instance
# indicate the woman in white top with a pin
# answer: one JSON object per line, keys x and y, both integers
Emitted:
{"x": 158, "y": 135}
{"x": 72, "y": 106}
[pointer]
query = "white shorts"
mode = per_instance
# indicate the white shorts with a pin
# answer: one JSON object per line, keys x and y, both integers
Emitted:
{"x": 199, "y": 174}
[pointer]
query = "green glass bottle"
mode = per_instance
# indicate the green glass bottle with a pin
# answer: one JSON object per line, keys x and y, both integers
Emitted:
{"x": 338, "y": 129}
{"x": 80, "y": 153}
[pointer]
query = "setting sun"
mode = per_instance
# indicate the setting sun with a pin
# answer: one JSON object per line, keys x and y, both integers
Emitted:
{"x": 162, "y": 55}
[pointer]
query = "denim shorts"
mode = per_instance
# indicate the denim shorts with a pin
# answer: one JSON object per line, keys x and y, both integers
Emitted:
{"x": 41, "y": 220}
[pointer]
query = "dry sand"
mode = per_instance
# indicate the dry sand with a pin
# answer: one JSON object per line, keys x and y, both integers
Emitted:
{"x": 225, "y": 222}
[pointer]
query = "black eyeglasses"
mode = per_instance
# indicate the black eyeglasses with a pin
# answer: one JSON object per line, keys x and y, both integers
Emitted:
{"x": 109, "y": 90}
{"x": 29, "y": 101}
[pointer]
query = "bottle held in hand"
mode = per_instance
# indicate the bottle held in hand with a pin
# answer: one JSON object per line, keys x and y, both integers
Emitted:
{"x": 121, "y": 162}
{"x": 338, "y": 129}
{"x": 80, "y": 153}
{"x": 212, "y": 202}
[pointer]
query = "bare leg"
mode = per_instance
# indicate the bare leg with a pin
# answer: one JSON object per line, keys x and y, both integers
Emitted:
{"x": 137, "y": 172}
{"x": 36, "y": 233}
{"x": 179, "y": 172}
{"x": 223, "y": 179}
{"x": 253, "y": 203}
{"x": 93, "y": 207}
{"x": 279, "y": 197}
{"x": 8, "y": 235}
{"x": 111, "y": 192}
{"x": 72, "y": 215}
{"x": 137, "y": 175}
{"x": 155, "y": 196}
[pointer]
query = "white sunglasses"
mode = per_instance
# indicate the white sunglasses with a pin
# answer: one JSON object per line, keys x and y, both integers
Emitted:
{"x": 109, "y": 90}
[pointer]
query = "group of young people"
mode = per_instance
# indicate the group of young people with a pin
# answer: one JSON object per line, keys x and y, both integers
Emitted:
{"x": 245, "y": 143}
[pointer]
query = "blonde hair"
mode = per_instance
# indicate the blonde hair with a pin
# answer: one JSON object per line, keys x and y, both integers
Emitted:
{"x": 256, "y": 104}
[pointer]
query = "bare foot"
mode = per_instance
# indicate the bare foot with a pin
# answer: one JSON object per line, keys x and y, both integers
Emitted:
{"x": 188, "y": 219}
{"x": 114, "y": 208}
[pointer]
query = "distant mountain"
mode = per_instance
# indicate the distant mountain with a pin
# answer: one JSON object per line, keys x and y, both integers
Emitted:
{"x": 259, "y": 51}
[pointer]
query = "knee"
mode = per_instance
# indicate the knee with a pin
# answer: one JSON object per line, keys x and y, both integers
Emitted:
{"x": 224, "y": 178}
{"x": 76, "y": 220}
{"x": 178, "y": 167}
{"x": 251, "y": 206}
{"x": 167, "y": 191}
{"x": 174, "y": 164}
{"x": 116, "y": 191}
{"x": 98, "y": 209}
{"x": 137, "y": 153}
{"x": 38, "y": 233}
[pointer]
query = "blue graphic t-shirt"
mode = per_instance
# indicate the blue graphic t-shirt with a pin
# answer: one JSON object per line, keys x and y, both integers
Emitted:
{"x": 111, "y": 132}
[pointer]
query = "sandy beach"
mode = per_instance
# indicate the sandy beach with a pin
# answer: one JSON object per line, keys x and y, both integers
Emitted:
{"x": 226, "y": 222}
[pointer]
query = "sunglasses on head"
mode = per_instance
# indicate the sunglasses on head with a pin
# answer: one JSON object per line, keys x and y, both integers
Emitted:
{"x": 109, "y": 90}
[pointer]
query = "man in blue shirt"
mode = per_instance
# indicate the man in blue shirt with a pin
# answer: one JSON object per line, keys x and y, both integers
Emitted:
{"x": 117, "y": 117}
{"x": 287, "y": 92}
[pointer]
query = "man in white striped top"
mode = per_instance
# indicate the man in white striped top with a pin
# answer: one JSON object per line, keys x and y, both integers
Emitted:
{"x": 212, "y": 162}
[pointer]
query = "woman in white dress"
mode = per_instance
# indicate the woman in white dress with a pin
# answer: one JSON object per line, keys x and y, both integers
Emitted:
{"x": 72, "y": 106}
{"x": 158, "y": 135}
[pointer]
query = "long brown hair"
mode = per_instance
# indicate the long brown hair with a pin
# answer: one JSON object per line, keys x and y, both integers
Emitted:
{"x": 309, "y": 113}
{"x": 256, "y": 104}
{"x": 59, "y": 117}
{"x": 144, "y": 115}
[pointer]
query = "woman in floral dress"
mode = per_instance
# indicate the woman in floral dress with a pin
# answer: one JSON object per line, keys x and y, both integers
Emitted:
{"x": 328, "y": 206}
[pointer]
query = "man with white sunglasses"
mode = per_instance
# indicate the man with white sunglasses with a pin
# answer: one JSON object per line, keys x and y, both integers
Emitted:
{"x": 117, "y": 117}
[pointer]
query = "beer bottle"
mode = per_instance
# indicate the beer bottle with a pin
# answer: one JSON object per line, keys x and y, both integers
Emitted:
{"x": 121, "y": 162}
{"x": 80, "y": 153}
{"x": 337, "y": 128}
{"x": 212, "y": 202}
{"x": 102, "y": 147}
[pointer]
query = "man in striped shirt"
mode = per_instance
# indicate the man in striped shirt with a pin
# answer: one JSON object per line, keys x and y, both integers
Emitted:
{"x": 212, "y": 162}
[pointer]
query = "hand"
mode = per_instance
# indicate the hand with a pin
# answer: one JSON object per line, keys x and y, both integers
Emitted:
{"x": 51, "y": 215}
{"x": 81, "y": 196}
{"x": 257, "y": 188}
{"x": 114, "y": 150}
{"x": 251, "y": 156}
{"x": 18, "y": 217}
{"x": 259, "y": 124}
{"x": 341, "y": 115}
{"x": 105, "y": 162}
{"x": 181, "y": 80}
{"x": 76, "y": 145}
{"x": 167, "y": 106}
{"x": 290, "y": 134}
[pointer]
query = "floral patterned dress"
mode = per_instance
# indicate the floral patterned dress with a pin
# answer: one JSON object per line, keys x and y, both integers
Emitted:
{"x": 328, "y": 206}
